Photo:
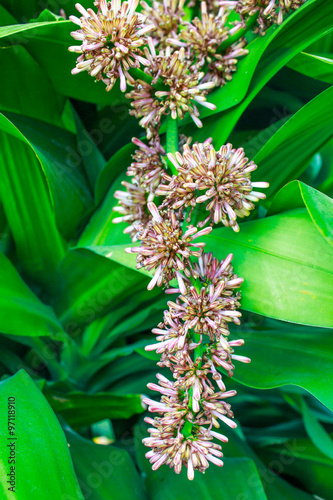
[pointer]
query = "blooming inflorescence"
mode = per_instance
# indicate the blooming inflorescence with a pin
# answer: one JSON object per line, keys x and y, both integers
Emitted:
{"x": 220, "y": 179}
{"x": 111, "y": 40}
{"x": 171, "y": 201}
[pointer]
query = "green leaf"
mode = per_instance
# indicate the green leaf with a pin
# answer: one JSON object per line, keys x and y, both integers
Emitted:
{"x": 82, "y": 297}
{"x": 238, "y": 478}
{"x": 295, "y": 143}
{"x": 21, "y": 312}
{"x": 296, "y": 194}
{"x": 80, "y": 409}
{"x": 27, "y": 203}
{"x": 37, "y": 97}
{"x": 36, "y": 427}
{"x": 288, "y": 352}
{"x": 62, "y": 165}
{"x": 312, "y": 469}
{"x": 104, "y": 472}
{"x": 320, "y": 438}
{"x": 314, "y": 66}
{"x": 101, "y": 229}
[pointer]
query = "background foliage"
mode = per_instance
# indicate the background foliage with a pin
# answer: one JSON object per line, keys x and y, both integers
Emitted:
{"x": 75, "y": 315}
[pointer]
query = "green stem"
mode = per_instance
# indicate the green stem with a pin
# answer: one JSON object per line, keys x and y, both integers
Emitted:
{"x": 239, "y": 34}
{"x": 172, "y": 141}
{"x": 138, "y": 74}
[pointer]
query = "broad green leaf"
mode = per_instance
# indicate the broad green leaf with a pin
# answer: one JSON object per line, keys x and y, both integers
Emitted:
{"x": 314, "y": 66}
{"x": 80, "y": 409}
{"x": 295, "y": 142}
{"x": 84, "y": 296}
{"x": 320, "y": 207}
{"x": 27, "y": 203}
{"x": 288, "y": 353}
{"x": 101, "y": 229}
{"x": 21, "y": 312}
{"x": 124, "y": 375}
{"x": 104, "y": 472}
{"x": 61, "y": 162}
{"x": 286, "y": 265}
{"x": 316, "y": 432}
{"x": 312, "y": 470}
{"x": 126, "y": 320}
{"x": 36, "y": 427}
{"x": 38, "y": 98}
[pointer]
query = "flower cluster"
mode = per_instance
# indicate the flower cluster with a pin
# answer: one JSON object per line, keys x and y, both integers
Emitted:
{"x": 222, "y": 179}
{"x": 112, "y": 41}
{"x": 268, "y": 11}
{"x": 194, "y": 345}
{"x": 202, "y": 38}
{"x": 180, "y": 89}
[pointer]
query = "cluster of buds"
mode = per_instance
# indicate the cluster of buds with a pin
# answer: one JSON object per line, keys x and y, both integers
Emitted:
{"x": 268, "y": 12}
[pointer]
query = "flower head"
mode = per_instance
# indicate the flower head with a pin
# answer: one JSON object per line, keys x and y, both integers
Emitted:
{"x": 166, "y": 16}
{"x": 181, "y": 89}
{"x": 224, "y": 176}
{"x": 165, "y": 248}
{"x": 202, "y": 39}
{"x": 178, "y": 437}
{"x": 111, "y": 40}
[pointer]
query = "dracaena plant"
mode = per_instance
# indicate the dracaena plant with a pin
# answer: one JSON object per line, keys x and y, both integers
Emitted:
{"x": 166, "y": 249}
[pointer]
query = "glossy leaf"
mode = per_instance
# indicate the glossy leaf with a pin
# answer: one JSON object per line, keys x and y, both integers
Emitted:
{"x": 320, "y": 438}
{"x": 48, "y": 44}
{"x": 306, "y": 463}
{"x": 27, "y": 203}
{"x": 36, "y": 427}
{"x": 39, "y": 101}
{"x": 288, "y": 352}
{"x": 62, "y": 165}
{"x": 314, "y": 66}
{"x": 21, "y": 312}
{"x": 82, "y": 297}
{"x": 295, "y": 142}
{"x": 320, "y": 207}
